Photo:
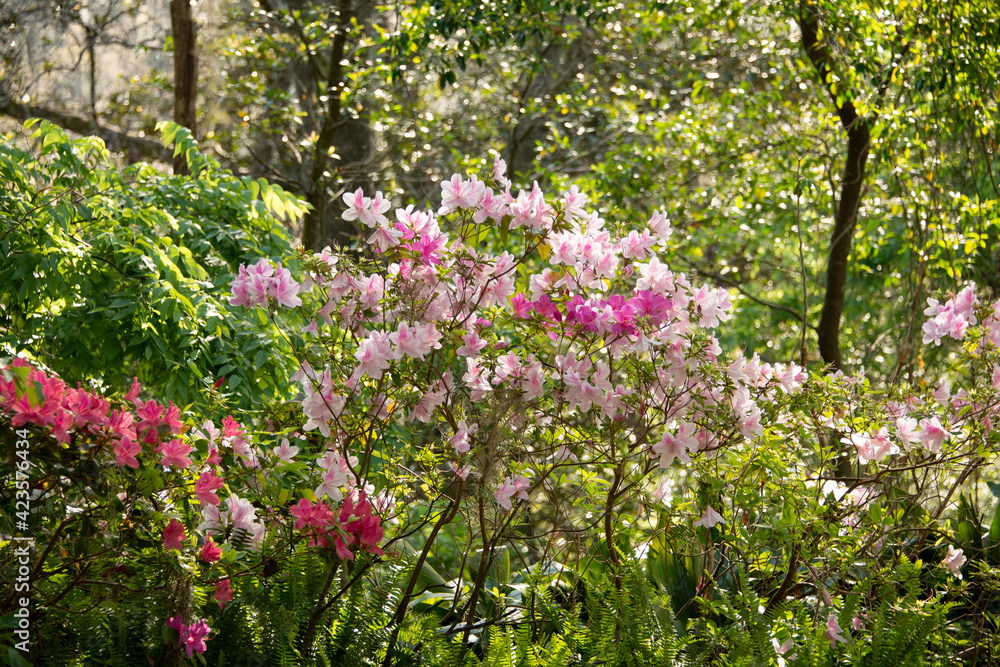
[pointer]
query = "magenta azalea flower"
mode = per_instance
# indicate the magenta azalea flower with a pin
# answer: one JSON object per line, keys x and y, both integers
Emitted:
{"x": 173, "y": 535}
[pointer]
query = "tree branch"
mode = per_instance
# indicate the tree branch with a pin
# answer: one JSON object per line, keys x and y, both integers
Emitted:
{"x": 134, "y": 147}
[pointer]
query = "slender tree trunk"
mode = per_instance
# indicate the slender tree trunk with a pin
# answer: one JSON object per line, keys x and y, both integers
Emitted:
{"x": 185, "y": 72}
{"x": 92, "y": 62}
{"x": 858, "y": 141}
{"x": 319, "y": 177}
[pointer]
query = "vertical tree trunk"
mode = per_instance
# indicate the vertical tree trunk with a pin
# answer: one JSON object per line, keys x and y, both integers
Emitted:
{"x": 185, "y": 71}
{"x": 858, "y": 140}
{"x": 92, "y": 62}
{"x": 312, "y": 231}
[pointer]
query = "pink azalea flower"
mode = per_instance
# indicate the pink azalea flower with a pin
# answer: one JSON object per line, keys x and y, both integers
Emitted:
{"x": 655, "y": 276}
{"x": 782, "y": 649}
{"x": 460, "y": 194}
{"x": 709, "y": 518}
{"x": 374, "y": 355}
{"x": 424, "y": 409}
{"x": 873, "y": 447}
{"x": 150, "y": 414}
{"x": 385, "y": 237}
{"x": 473, "y": 345}
{"x": 284, "y": 289}
{"x": 512, "y": 487}
{"x": 833, "y": 631}
{"x": 133, "y": 393}
{"x": 462, "y": 472}
{"x": 660, "y": 225}
{"x": 230, "y": 427}
{"x": 119, "y": 424}
{"x": 574, "y": 203}
{"x": 173, "y": 535}
{"x": 125, "y": 451}
{"x": 636, "y": 245}
{"x": 415, "y": 341}
{"x": 214, "y": 457}
{"x": 211, "y": 552}
{"x": 206, "y": 486}
{"x": 174, "y": 454}
{"x": 906, "y": 428}
{"x": 460, "y": 441}
{"x": 954, "y": 560}
{"x": 521, "y": 306}
{"x": 192, "y": 637}
{"x": 932, "y": 434}
{"x": 223, "y": 593}
{"x": 194, "y": 640}
{"x": 285, "y": 452}
{"x": 672, "y": 446}
{"x": 369, "y": 212}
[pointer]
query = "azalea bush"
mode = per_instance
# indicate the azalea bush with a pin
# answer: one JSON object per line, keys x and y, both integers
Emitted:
{"x": 516, "y": 429}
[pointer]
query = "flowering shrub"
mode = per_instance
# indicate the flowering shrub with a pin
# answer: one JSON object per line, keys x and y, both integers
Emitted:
{"x": 565, "y": 398}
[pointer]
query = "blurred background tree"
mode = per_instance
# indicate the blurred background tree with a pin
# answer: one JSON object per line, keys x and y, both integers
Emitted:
{"x": 745, "y": 122}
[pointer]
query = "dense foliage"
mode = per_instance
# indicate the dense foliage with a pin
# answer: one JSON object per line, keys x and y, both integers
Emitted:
{"x": 113, "y": 273}
{"x": 712, "y": 379}
{"x": 537, "y": 454}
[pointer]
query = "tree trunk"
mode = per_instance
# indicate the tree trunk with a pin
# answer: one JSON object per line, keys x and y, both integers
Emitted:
{"x": 185, "y": 72}
{"x": 319, "y": 177}
{"x": 858, "y": 141}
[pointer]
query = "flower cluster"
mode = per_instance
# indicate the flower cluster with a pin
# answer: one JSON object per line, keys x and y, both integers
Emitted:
{"x": 574, "y": 347}
{"x": 953, "y": 318}
{"x": 192, "y": 637}
{"x": 356, "y": 522}
{"x": 48, "y": 403}
{"x": 253, "y": 286}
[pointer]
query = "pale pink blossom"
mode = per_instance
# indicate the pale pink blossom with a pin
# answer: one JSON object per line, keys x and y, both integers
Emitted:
{"x": 337, "y": 473}
{"x": 574, "y": 203}
{"x": 952, "y": 318}
{"x": 782, "y": 649}
{"x": 873, "y": 447}
{"x": 415, "y": 341}
{"x": 284, "y": 289}
{"x": 636, "y": 245}
{"x": 285, "y": 452}
{"x": 660, "y": 225}
{"x": 676, "y": 446}
{"x": 460, "y": 441}
{"x": 664, "y": 491}
{"x": 954, "y": 560}
{"x": 369, "y": 212}
{"x": 512, "y": 487}
{"x": 385, "y": 237}
{"x": 374, "y": 355}
{"x": 932, "y": 434}
{"x": 710, "y": 518}
{"x": 906, "y": 431}
{"x": 833, "y": 631}
{"x": 460, "y": 194}
{"x": 655, "y": 276}
{"x": 462, "y": 472}
{"x": 424, "y": 409}
{"x": 472, "y": 345}
{"x": 477, "y": 379}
